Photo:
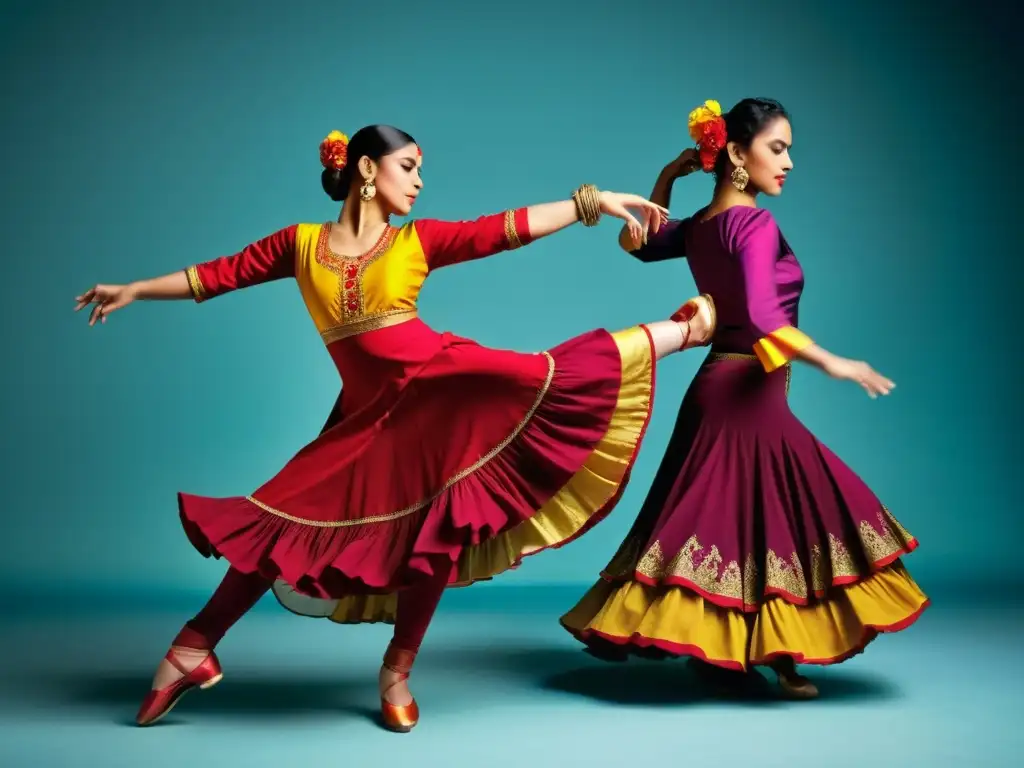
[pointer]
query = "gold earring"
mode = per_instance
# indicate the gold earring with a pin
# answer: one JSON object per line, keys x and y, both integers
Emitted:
{"x": 367, "y": 191}
{"x": 740, "y": 178}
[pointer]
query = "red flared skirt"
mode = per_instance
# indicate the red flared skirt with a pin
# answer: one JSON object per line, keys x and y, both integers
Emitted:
{"x": 441, "y": 453}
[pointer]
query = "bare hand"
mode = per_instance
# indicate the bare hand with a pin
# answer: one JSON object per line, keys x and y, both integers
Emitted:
{"x": 618, "y": 204}
{"x": 874, "y": 383}
{"x": 107, "y": 298}
{"x": 688, "y": 162}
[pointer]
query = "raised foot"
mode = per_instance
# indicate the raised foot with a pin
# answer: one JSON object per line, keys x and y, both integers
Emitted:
{"x": 701, "y": 319}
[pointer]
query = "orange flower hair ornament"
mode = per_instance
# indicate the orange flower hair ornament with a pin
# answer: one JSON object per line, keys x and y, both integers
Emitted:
{"x": 334, "y": 151}
{"x": 707, "y": 129}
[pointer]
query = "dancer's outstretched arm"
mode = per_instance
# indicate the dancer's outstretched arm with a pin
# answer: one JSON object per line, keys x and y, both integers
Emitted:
{"x": 453, "y": 242}
{"x": 271, "y": 258}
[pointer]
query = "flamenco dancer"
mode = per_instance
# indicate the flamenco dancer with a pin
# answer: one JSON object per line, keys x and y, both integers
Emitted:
{"x": 443, "y": 462}
{"x": 756, "y": 545}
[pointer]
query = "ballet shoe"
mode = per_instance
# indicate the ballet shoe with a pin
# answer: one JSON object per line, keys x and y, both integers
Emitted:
{"x": 399, "y": 718}
{"x": 702, "y": 306}
{"x": 159, "y": 702}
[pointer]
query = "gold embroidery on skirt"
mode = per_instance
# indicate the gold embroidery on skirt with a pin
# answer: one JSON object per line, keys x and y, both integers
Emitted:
{"x": 818, "y": 579}
{"x": 731, "y": 582}
{"x": 906, "y": 535}
{"x": 788, "y": 577}
{"x": 842, "y": 564}
{"x": 879, "y": 546}
{"x": 703, "y": 566}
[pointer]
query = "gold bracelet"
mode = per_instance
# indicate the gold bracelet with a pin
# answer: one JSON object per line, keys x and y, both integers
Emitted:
{"x": 593, "y": 198}
{"x": 579, "y": 206}
{"x": 588, "y": 204}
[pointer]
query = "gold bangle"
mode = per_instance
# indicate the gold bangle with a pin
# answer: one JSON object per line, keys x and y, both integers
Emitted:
{"x": 587, "y": 199}
{"x": 594, "y": 199}
{"x": 583, "y": 199}
{"x": 579, "y": 206}
{"x": 592, "y": 202}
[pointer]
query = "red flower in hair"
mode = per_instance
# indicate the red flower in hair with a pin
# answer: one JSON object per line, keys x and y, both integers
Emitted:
{"x": 712, "y": 141}
{"x": 334, "y": 151}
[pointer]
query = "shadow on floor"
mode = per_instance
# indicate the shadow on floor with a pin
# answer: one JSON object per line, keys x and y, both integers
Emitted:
{"x": 490, "y": 671}
{"x": 638, "y": 682}
{"x": 255, "y": 696}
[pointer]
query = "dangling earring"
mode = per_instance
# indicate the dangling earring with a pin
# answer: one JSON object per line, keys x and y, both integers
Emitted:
{"x": 740, "y": 177}
{"x": 367, "y": 191}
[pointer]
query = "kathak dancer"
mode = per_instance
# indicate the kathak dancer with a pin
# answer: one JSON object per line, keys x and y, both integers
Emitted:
{"x": 756, "y": 545}
{"x": 443, "y": 462}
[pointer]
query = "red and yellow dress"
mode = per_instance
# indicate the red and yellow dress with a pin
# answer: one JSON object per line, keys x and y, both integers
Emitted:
{"x": 440, "y": 452}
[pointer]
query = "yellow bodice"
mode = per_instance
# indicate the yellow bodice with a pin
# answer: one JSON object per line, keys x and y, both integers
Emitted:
{"x": 347, "y": 295}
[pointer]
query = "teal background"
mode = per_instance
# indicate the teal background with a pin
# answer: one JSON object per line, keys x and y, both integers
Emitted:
{"x": 141, "y": 139}
{"x": 138, "y": 139}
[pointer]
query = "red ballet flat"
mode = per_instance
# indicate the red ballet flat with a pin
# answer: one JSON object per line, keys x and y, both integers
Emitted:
{"x": 159, "y": 702}
{"x": 703, "y": 303}
{"x": 690, "y": 309}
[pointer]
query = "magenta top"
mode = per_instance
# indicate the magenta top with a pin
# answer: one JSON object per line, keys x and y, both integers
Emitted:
{"x": 740, "y": 258}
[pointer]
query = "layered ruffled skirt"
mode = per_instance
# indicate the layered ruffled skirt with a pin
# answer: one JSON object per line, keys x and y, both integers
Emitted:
{"x": 441, "y": 453}
{"x": 755, "y": 541}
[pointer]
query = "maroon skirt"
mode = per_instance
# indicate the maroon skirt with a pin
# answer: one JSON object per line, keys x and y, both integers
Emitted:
{"x": 755, "y": 540}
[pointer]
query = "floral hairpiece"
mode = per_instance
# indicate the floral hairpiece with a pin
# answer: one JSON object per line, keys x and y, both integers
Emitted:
{"x": 334, "y": 151}
{"x": 707, "y": 129}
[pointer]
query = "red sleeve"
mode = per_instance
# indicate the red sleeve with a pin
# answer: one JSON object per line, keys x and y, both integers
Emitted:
{"x": 452, "y": 242}
{"x": 271, "y": 258}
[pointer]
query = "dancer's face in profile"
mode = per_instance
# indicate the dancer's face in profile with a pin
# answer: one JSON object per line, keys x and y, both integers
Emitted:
{"x": 398, "y": 180}
{"x": 767, "y": 159}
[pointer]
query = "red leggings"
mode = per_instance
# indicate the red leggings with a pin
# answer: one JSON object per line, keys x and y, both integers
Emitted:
{"x": 238, "y": 592}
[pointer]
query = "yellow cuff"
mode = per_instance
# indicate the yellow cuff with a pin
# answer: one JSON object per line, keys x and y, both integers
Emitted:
{"x": 198, "y": 291}
{"x": 779, "y": 347}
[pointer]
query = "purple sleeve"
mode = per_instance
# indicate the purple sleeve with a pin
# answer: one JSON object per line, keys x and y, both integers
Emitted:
{"x": 667, "y": 243}
{"x": 758, "y": 245}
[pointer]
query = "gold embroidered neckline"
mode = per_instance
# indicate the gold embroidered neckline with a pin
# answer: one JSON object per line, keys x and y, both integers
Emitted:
{"x": 374, "y": 250}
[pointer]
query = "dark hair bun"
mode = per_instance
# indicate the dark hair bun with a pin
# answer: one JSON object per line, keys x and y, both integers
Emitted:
{"x": 335, "y": 183}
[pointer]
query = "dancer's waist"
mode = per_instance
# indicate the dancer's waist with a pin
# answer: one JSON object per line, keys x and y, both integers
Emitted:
{"x": 730, "y": 353}
{"x": 718, "y": 353}
{"x": 367, "y": 323}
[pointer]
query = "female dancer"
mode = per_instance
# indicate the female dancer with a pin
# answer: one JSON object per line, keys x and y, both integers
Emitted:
{"x": 443, "y": 462}
{"x": 756, "y": 545}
